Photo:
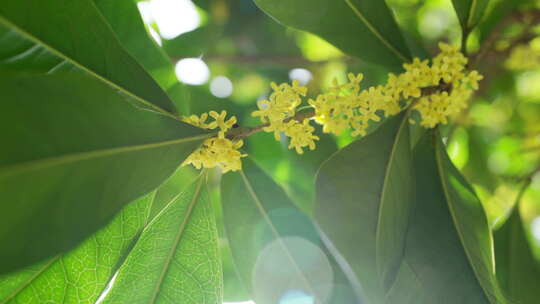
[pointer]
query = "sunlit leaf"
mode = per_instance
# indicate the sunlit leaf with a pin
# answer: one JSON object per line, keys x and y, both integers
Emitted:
{"x": 80, "y": 275}
{"x": 73, "y": 153}
{"x": 365, "y": 29}
{"x": 276, "y": 248}
{"x": 58, "y": 35}
{"x": 176, "y": 259}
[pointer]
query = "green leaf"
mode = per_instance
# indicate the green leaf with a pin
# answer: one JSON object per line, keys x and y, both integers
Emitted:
{"x": 60, "y": 35}
{"x": 80, "y": 275}
{"x": 434, "y": 247}
{"x": 276, "y": 248}
{"x": 448, "y": 255}
{"x": 469, "y": 12}
{"x": 126, "y": 22}
{"x": 73, "y": 153}
{"x": 176, "y": 259}
{"x": 365, "y": 29}
{"x": 517, "y": 269}
{"x": 364, "y": 195}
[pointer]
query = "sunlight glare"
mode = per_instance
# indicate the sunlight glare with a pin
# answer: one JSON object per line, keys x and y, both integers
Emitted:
{"x": 192, "y": 71}
{"x": 174, "y": 17}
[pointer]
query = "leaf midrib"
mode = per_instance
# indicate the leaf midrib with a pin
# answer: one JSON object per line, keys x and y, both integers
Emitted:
{"x": 375, "y": 32}
{"x": 177, "y": 239}
{"x": 263, "y": 213}
{"x": 385, "y": 182}
{"x": 84, "y": 156}
{"x": 29, "y": 281}
{"x": 454, "y": 219}
{"x": 37, "y": 41}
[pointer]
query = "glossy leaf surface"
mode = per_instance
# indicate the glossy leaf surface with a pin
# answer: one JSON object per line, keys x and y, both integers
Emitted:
{"x": 59, "y": 35}
{"x": 365, "y": 29}
{"x": 74, "y": 152}
{"x": 364, "y": 195}
{"x": 448, "y": 220}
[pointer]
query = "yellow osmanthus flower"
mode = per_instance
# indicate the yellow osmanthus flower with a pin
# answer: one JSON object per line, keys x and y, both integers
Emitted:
{"x": 278, "y": 112}
{"x": 215, "y": 151}
{"x": 301, "y": 135}
{"x": 437, "y": 89}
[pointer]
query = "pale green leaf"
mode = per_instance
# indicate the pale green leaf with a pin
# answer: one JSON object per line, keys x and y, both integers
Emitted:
{"x": 176, "y": 259}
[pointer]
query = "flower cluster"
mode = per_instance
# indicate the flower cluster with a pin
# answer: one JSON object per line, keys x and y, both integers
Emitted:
{"x": 435, "y": 90}
{"x": 278, "y": 113}
{"x": 348, "y": 107}
{"x": 215, "y": 151}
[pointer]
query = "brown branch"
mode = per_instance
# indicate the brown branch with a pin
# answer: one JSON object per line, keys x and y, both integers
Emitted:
{"x": 529, "y": 18}
{"x": 243, "y": 132}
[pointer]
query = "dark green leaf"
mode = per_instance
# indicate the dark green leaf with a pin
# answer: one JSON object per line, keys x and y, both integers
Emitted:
{"x": 73, "y": 153}
{"x": 59, "y": 35}
{"x": 517, "y": 269}
{"x": 364, "y": 195}
{"x": 276, "y": 248}
{"x": 126, "y": 22}
{"x": 80, "y": 275}
{"x": 448, "y": 253}
{"x": 176, "y": 259}
{"x": 365, "y": 29}
{"x": 469, "y": 12}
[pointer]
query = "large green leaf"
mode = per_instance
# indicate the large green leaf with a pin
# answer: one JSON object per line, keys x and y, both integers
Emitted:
{"x": 276, "y": 248}
{"x": 469, "y": 12}
{"x": 59, "y": 35}
{"x": 448, "y": 255}
{"x": 80, "y": 275}
{"x": 365, "y": 29}
{"x": 433, "y": 248}
{"x": 517, "y": 269}
{"x": 364, "y": 195}
{"x": 74, "y": 151}
{"x": 126, "y": 22}
{"x": 176, "y": 259}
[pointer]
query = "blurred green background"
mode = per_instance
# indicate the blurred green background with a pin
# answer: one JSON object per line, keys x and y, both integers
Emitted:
{"x": 226, "y": 53}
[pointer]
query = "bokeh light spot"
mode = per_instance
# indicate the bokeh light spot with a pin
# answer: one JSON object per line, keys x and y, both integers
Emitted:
{"x": 221, "y": 87}
{"x": 192, "y": 71}
{"x": 302, "y": 75}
